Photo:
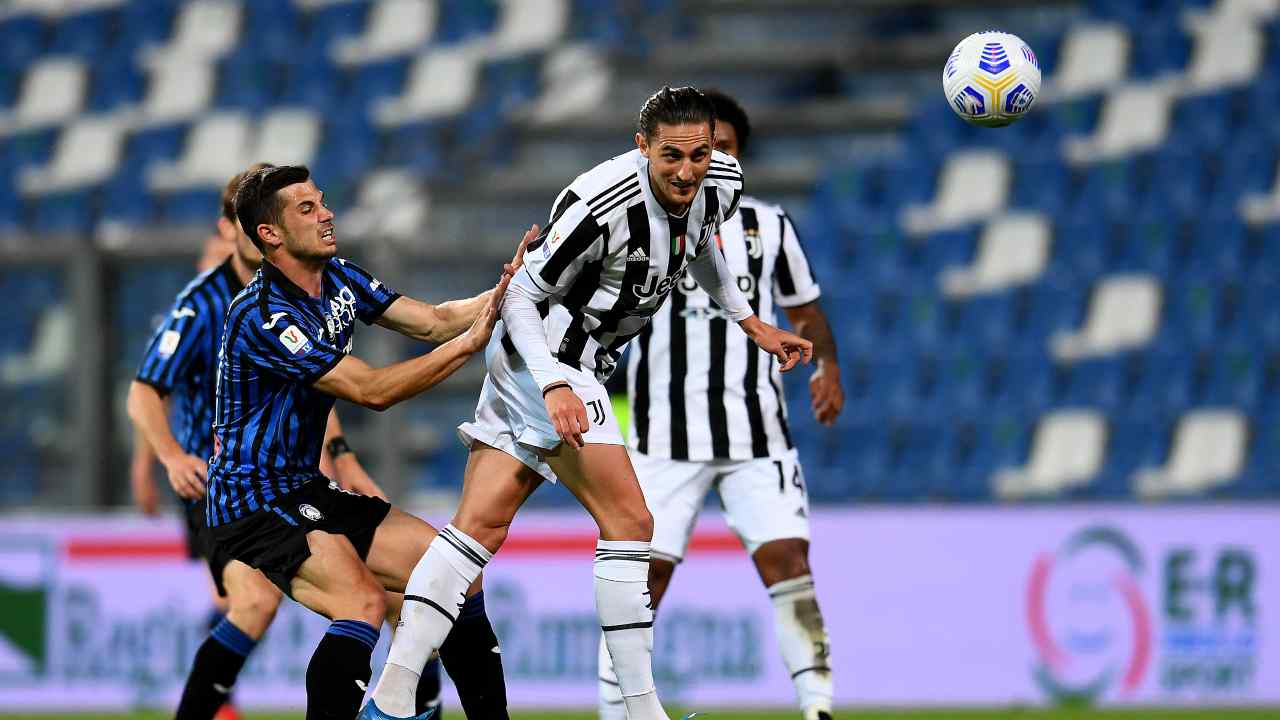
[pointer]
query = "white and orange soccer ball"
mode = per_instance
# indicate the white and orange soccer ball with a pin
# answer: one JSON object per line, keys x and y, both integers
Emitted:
{"x": 991, "y": 79}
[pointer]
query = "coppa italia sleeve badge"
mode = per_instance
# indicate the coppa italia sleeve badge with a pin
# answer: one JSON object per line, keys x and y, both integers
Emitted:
{"x": 293, "y": 339}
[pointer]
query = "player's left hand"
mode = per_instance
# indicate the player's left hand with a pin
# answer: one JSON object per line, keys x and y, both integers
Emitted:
{"x": 477, "y": 336}
{"x": 789, "y": 348}
{"x": 825, "y": 393}
{"x": 529, "y": 235}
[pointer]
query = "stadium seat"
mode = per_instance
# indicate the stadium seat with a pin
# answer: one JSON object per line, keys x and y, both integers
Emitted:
{"x": 1067, "y": 451}
{"x": 1093, "y": 59}
{"x": 1123, "y": 314}
{"x": 394, "y": 28}
{"x": 216, "y": 148}
{"x": 204, "y": 30}
{"x": 973, "y": 185}
{"x": 1208, "y": 450}
{"x": 53, "y": 92}
{"x": 1135, "y": 118}
{"x": 1012, "y": 250}
{"x": 1229, "y": 51}
{"x": 87, "y": 153}
{"x": 441, "y": 82}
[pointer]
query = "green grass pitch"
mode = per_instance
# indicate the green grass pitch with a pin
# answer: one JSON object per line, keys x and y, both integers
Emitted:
{"x": 943, "y": 714}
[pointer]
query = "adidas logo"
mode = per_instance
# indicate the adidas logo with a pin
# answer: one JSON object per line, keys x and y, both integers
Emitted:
{"x": 638, "y": 256}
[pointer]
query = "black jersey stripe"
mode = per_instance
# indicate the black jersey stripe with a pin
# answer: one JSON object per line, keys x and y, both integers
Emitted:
{"x": 605, "y": 201}
{"x": 609, "y": 190}
{"x": 679, "y": 363}
{"x": 625, "y": 199}
{"x": 633, "y": 276}
{"x": 640, "y": 394}
{"x": 716, "y": 411}
{"x": 751, "y": 378}
{"x": 782, "y": 271}
{"x": 578, "y": 242}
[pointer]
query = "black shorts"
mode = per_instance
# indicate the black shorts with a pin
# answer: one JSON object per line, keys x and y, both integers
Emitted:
{"x": 200, "y": 544}
{"x": 274, "y": 539}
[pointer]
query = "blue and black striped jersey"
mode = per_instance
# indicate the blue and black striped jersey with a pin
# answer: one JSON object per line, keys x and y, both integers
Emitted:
{"x": 270, "y": 421}
{"x": 182, "y": 357}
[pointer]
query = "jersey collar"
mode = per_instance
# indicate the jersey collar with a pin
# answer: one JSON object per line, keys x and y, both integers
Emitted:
{"x": 271, "y": 274}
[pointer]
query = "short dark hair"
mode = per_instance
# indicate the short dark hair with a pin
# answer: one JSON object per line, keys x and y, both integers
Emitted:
{"x": 258, "y": 200}
{"x": 681, "y": 106}
{"x": 728, "y": 110}
{"x": 229, "y": 190}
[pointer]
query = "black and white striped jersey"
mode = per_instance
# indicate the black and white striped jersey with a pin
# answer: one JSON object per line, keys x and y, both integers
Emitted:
{"x": 699, "y": 388}
{"x": 611, "y": 254}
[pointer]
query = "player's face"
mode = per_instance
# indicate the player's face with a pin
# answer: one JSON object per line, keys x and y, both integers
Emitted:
{"x": 309, "y": 233}
{"x": 726, "y": 138}
{"x": 679, "y": 156}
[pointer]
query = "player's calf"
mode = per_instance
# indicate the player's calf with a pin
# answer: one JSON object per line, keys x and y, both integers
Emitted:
{"x": 801, "y": 630}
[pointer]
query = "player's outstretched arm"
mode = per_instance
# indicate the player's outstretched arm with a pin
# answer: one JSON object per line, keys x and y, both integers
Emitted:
{"x": 789, "y": 348}
{"x": 379, "y": 388}
{"x": 447, "y": 320}
{"x": 187, "y": 473}
{"x": 825, "y": 392}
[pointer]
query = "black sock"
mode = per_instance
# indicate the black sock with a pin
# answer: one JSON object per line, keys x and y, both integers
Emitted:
{"x": 476, "y": 669}
{"x": 429, "y": 689}
{"x": 214, "y": 671}
{"x": 339, "y": 670}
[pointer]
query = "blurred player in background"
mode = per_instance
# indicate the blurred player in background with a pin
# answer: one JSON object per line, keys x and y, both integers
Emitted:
{"x": 707, "y": 411}
{"x": 620, "y": 237}
{"x": 179, "y": 368}
{"x": 284, "y": 359}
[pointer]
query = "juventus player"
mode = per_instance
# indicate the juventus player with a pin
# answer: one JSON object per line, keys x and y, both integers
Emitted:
{"x": 620, "y": 238}
{"x": 707, "y": 411}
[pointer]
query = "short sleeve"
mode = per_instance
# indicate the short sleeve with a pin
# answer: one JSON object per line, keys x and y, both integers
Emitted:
{"x": 372, "y": 296}
{"x": 284, "y": 347}
{"x": 175, "y": 348}
{"x": 726, "y": 174}
{"x": 793, "y": 280}
{"x": 572, "y": 238}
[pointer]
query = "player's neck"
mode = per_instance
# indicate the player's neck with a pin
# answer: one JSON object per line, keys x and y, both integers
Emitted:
{"x": 306, "y": 274}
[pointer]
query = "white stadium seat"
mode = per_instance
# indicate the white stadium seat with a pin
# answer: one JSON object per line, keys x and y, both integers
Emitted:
{"x": 576, "y": 81}
{"x": 53, "y": 91}
{"x": 286, "y": 137}
{"x": 215, "y": 150}
{"x": 390, "y": 204}
{"x": 1066, "y": 452}
{"x": 1259, "y": 208}
{"x": 88, "y": 152}
{"x": 50, "y": 352}
{"x": 177, "y": 91}
{"x": 1208, "y": 451}
{"x": 1013, "y": 250}
{"x": 1123, "y": 314}
{"x": 1094, "y": 58}
{"x": 1228, "y": 52}
{"x": 527, "y": 25}
{"x": 396, "y": 27}
{"x": 204, "y": 29}
{"x": 1134, "y": 119}
{"x": 441, "y": 82}
{"x": 974, "y": 185}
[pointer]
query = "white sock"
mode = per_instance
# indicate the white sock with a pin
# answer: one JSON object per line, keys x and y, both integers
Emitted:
{"x": 432, "y": 598}
{"x": 802, "y": 636}
{"x": 622, "y": 603}
{"x": 611, "y": 705}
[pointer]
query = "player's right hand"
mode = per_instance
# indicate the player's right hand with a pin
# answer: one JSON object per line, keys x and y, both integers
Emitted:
{"x": 187, "y": 475}
{"x": 568, "y": 415}
{"x": 477, "y": 336}
{"x": 529, "y": 235}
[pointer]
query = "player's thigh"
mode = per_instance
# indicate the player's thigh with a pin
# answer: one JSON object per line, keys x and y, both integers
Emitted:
{"x": 336, "y": 583}
{"x": 765, "y": 501}
{"x": 494, "y": 487}
{"x": 601, "y": 477}
{"x": 398, "y": 543}
{"x": 674, "y": 491}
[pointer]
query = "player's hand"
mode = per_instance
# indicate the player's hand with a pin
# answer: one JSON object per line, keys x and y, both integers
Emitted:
{"x": 790, "y": 349}
{"x": 188, "y": 475}
{"x": 568, "y": 414}
{"x": 825, "y": 393}
{"x": 511, "y": 267}
{"x": 477, "y": 336}
{"x": 145, "y": 496}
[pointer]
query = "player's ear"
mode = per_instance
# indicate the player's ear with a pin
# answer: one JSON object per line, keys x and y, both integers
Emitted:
{"x": 642, "y": 143}
{"x": 268, "y": 235}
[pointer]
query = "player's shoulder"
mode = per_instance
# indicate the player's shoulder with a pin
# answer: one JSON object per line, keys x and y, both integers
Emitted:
{"x": 610, "y": 186}
{"x": 762, "y": 207}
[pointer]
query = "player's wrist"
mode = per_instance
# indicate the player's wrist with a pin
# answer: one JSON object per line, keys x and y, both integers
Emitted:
{"x": 338, "y": 446}
{"x": 555, "y": 385}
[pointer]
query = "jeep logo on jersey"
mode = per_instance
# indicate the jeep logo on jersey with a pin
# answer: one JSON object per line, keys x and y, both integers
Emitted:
{"x": 652, "y": 286}
{"x": 309, "y": 512}
{"x": 746, "y": 283}
{"x": 342, "y": 311}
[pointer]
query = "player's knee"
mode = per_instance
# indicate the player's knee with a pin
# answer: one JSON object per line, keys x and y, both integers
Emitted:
{"x": 783, "y": 560}
{"x": 490, "y": 532}
{"x": 369, "y": 603}
{"x": 627, "y": 523}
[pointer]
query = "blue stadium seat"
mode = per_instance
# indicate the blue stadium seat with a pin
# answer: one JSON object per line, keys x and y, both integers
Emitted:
{"x": 84, "y": 33}
{"x": 1192, "y": 313}
{"x": 1165, "y": 382}
{"x": 192, "y": 207}
{"x": 313, "y": 82}
{"x": 1235, "y": 377}
{"x": 143, "y": 24}
{"x": 1160, "y": 46}
{"x": 987, "y": 444}
{"x": 1100, "y": 383}
{"x": 24, "y": 40}
{"x": 1039, "y": 183}
{"x": 1024, "y": 384}
{"x": 67, "y": 212}
{"x": 372, "y": 81}
{"x": 329, "y": 22}
{"x": 987, "y": 320}
{"x": 247, "y": 82}
{"x": 116, "y": 80}
{"x": 464, "y": 19}
{"x": 125, "y": 198}
{"x": 957, "y": 381}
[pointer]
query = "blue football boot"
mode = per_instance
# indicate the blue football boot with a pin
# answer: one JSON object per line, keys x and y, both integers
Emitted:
{"x": 370, "y": 711}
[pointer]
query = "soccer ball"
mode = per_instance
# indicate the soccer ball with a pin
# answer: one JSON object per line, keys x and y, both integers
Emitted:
{"x": 991, "y": 78}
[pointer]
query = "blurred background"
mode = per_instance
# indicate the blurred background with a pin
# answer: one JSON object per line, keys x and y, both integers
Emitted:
{"x": 1067, "y": 324}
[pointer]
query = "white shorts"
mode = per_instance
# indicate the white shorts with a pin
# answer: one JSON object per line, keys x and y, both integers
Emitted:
{"x": 764, "y": 499}
{"x": 512, "y": 416}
